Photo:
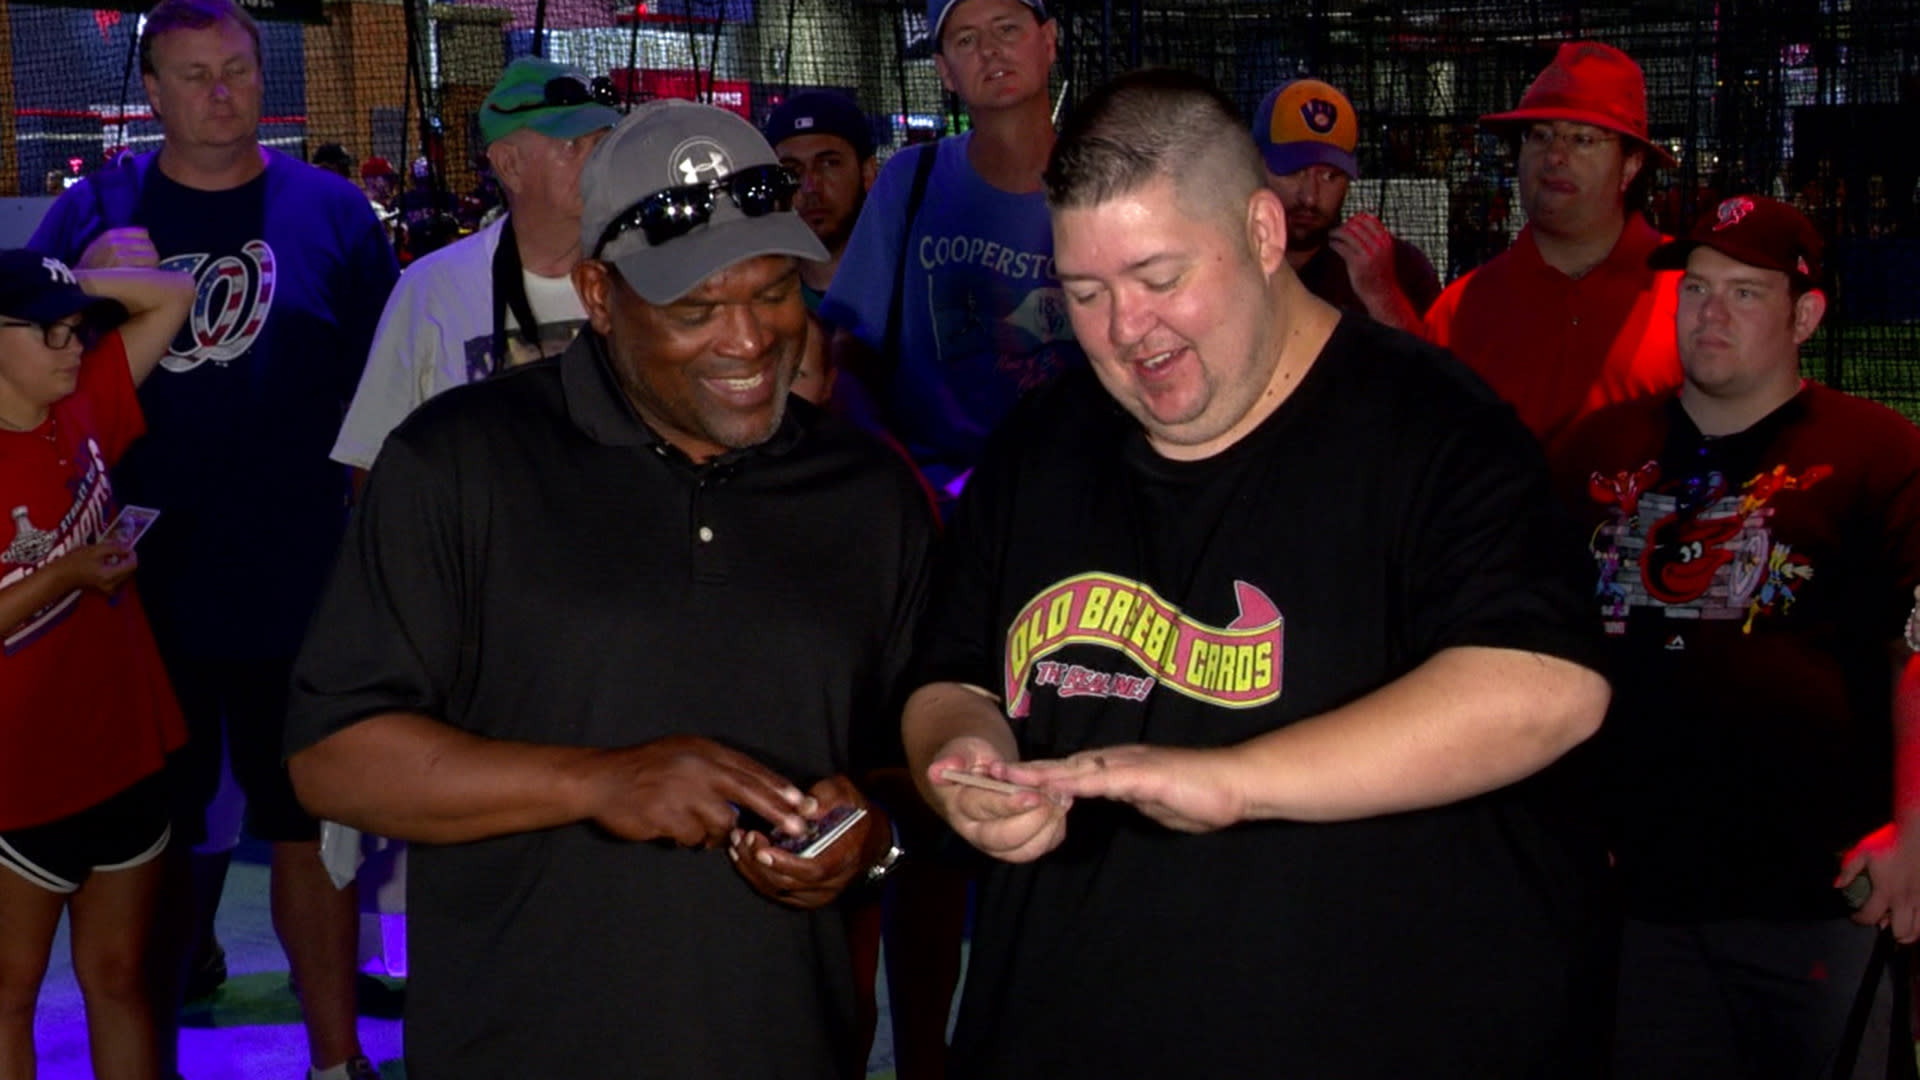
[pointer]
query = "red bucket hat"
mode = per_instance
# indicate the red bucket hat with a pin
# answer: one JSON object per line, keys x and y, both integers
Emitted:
{"x": 1590, "y": 83}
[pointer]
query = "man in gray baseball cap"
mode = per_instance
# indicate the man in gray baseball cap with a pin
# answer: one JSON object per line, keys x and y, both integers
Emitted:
{"x": 603, "y": 607}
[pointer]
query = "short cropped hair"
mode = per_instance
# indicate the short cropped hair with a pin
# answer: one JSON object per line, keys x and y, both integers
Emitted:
{"x": 1154, "y": 124}
{"x": 170, "y": 15}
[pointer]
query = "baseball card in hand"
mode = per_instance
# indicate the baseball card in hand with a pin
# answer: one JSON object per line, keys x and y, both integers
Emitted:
{"x": 984, "y": 783}
{"x": 821, "y": 834}
{"x": 132, "y": 524}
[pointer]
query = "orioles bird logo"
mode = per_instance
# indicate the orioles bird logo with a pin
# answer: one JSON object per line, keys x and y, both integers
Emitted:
{"x": 1320, "y": 115}
{"x": 1732, "y": 212}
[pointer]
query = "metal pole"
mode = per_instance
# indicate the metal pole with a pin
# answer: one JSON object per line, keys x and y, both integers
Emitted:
{"x": 1137, "y": 31}
{"x": 1106, "y": 40}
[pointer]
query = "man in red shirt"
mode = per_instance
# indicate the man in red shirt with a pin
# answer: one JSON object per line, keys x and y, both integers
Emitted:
{"x": 1756, "y": 542}
{"x": 1570, "y": 318}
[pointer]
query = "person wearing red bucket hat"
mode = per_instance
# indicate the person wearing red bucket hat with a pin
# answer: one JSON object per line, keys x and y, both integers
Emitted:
{"x": 1570, "y": 318}
{"x": 1757, "y": 539}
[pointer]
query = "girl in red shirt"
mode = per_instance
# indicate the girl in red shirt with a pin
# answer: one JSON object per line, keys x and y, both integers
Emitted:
{"x": 86, "y": 714}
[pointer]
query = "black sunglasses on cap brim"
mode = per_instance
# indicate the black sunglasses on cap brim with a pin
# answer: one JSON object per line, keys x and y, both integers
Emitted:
{"x": 676, "y": 211}
{"x": 566, "y": 91}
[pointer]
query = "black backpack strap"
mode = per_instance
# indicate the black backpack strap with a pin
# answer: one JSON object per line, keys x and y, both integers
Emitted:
{"x": 1887, "y": 959}
{"x": 116, "y": 192}
{"x": 881, "y": 385}
{"x": 509, "y": 295}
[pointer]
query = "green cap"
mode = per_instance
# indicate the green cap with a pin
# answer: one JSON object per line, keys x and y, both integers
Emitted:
{"x": 552, "y": 99}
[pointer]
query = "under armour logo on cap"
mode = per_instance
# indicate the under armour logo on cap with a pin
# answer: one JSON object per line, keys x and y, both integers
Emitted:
{"x": 58, "y": 271}
{"x": 1320, "y": 115}
{"x": 698, "y": 160}
{"x": 1732, "y": 212}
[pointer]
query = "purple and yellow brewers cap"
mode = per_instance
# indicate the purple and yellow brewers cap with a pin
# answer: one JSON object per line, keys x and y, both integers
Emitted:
{"x": 667, "y": 144}
{"x": 1755, "y": 230}
{"x": 37, "y": 289}
{"x": 938, "y": 10}
{"x": 553, "y": 99}
{"x": 822, "y": 112}
{"x": 1305, "y": 123}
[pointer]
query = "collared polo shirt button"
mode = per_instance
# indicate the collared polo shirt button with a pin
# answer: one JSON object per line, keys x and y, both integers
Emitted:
{"x": 1576, "y": 320}
{"x": 706, "y": 534}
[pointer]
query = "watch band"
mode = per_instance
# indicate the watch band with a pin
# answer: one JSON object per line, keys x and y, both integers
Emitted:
{"x": 878, "y": 871}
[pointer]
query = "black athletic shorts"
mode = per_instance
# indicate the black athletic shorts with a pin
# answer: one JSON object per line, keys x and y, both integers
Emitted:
{"x": 121, "y": 833}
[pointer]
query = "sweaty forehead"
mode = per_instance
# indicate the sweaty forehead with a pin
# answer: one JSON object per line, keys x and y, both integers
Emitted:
{"x": 218, "y": 42}
{"x": 1124, "y": 235}
{"x": 983, "y": 12}
{"x": 1707, "y": 264}
{"x": 810, "y": 147}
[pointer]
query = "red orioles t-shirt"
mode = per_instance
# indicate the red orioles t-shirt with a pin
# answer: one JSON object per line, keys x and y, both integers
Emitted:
{"x": 88, "y": 709}
{"x": 1750, "y": 585}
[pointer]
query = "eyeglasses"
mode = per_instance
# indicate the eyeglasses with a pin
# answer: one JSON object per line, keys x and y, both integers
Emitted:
{"x": 565, "y": 91}
{"x": 677, "y": 211}
{"x": 57, "y": 335}
{"x": 1579, "y": 143}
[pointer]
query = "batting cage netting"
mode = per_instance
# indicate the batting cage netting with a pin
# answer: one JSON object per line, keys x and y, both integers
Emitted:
{"x": 1813, "y": 101}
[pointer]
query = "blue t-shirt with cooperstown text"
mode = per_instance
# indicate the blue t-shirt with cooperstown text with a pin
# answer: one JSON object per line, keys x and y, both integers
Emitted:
{"x": 983, "y": 317}
{"x": 293, "y": 270}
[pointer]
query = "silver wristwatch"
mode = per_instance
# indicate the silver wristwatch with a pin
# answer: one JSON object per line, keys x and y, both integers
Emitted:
{"x": 878, "y": 871}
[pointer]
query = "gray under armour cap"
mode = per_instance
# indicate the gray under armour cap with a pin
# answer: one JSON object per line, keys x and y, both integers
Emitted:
{"x": 665, "y": 144}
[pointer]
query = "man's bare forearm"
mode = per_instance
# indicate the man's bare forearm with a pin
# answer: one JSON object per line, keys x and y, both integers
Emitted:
{"x": 1466, "y": 722}
{"x": 20, "y": 600}
{"x": 411, "y": 777}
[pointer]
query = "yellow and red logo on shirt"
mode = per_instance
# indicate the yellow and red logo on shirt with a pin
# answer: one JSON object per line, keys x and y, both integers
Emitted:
{"x": 1236, "y": 666}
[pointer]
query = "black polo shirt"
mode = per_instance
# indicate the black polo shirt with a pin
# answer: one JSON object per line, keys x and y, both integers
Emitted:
{"x": 531, "y": 562}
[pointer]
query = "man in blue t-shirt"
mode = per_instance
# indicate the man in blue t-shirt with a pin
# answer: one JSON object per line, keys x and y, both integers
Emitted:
{"x": 292, "y": 272}
{"x": 981, "y": 315}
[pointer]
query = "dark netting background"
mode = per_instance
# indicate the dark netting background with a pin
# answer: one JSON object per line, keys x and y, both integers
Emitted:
{"x": 1816, "y": 101}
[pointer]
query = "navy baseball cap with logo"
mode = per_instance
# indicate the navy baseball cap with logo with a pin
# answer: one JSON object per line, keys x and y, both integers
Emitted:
{"x": 822, "y": 112}
{"x": 37, "y": 289}
{"x": 1755, "y": 230}
{"x": 938, "y": 10}
{"x": 661, "y": 164}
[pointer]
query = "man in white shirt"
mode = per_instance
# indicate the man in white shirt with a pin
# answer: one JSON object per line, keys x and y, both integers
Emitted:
{"x": 503, "y": 295}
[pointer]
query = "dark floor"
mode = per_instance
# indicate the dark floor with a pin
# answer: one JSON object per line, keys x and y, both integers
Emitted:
{"x": 250, "y": 1030}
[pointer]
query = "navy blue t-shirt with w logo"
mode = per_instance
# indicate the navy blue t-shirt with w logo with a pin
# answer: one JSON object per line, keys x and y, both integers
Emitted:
{"x": 292, "y": 272}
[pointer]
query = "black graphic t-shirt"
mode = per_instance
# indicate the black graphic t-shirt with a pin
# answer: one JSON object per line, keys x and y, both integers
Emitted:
{"x": 1390, "y": 509}
{"x": 293, "y": 270}
{"x": 1750, "y": 585}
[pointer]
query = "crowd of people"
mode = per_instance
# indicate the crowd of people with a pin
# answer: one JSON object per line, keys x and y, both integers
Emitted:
{"x": 1287, "y": 665}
